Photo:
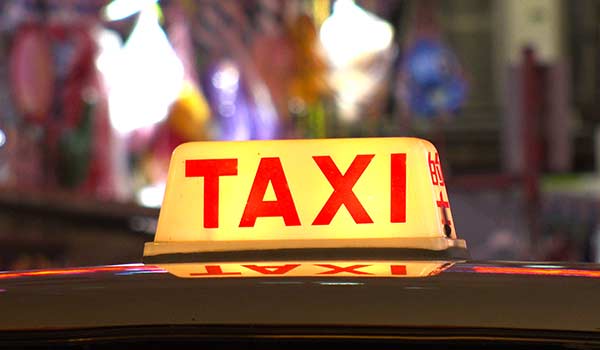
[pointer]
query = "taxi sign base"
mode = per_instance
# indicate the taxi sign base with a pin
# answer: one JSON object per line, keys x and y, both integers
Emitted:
{"x": 427, "y": 247}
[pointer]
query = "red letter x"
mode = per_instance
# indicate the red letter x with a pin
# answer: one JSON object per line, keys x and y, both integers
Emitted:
{"x": 342, "y": 189}
{"x": 334, "y": 270}
{"x": 211, "y": 170}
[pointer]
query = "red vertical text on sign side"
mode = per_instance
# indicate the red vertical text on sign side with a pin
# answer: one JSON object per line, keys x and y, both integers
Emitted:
{"x": 435, "y": 169}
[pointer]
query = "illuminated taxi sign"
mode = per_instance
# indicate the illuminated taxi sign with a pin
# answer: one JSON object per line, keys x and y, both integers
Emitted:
{"x": 378, "y": 192}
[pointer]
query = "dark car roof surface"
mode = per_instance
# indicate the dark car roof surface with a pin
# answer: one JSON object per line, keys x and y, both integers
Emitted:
{"x": 468, "y": 294}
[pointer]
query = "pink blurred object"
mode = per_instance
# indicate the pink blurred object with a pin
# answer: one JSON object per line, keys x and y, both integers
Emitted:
{"x": 32, "y": 73}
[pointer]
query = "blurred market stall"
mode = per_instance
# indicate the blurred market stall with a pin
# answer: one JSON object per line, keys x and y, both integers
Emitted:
{"x": 96, "y": 94}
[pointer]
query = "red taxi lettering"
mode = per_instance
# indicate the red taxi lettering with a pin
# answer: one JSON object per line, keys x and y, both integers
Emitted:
{"x": 398, "y": 188}
{"x": 342, "y": 189}
{"x": 214, "y": 270}
{"x": 270, "y": 171}
{"x": 211, "y": 170}
{"x": 272, "y": 270}
{"x": 334, "y": 269}
{"x": 441, "y": 203}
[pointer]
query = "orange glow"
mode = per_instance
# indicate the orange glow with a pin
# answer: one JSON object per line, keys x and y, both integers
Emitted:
{"x": 536, "y": 271}
{"x": 78, "y": 271}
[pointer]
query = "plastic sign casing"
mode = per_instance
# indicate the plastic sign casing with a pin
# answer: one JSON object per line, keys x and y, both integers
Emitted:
{"x": 387, "y": 192}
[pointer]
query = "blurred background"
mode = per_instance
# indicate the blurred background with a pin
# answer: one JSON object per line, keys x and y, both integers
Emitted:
{"x": 95, "y": 94}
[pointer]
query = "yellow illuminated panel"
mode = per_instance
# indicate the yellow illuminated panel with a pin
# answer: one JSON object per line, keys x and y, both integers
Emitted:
{"x": 308, "y": 269}
{"x": 304, "y": 190}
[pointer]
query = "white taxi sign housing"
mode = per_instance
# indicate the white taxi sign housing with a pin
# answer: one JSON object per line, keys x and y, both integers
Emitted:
{"x": 331, "y": 193}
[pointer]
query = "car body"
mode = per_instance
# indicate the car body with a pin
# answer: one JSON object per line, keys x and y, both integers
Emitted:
{"x": 465, "y": 304}
{"x": 366, "y": 257}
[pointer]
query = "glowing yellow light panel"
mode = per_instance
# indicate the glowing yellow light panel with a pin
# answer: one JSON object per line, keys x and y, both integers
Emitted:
{"x": 378, "y": 192}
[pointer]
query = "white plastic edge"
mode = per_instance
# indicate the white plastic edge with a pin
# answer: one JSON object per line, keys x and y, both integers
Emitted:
{"x": 433, "y": 243}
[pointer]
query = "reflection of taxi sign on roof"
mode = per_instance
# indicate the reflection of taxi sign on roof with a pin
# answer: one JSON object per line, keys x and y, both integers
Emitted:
{"x": 383, "y": 194}
{"x": 326, "y": 268}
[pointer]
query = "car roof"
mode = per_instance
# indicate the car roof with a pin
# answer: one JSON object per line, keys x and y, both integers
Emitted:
{"x": 467, "y": 295}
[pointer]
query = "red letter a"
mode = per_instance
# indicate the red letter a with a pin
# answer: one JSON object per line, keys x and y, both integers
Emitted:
{"x": 270, "y": 170}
